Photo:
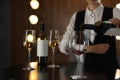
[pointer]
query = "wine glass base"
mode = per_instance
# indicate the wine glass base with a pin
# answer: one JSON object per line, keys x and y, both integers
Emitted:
{"x": 75, "y": 77}
{"x": 53, "y": 66}
{"x": 28, "y": 68}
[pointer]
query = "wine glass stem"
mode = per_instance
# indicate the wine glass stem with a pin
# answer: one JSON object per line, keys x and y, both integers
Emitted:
{"x": 53, "y": 55}
{"x": 78, "y": 66}
{"x": 29, "y": 51}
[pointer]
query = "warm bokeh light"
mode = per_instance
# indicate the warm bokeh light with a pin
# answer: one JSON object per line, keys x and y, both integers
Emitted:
{"x": 30, "y": 38}
{"x": 118, "y": 37}
{"x": 33, "y": 19}
{"x": 33, "y": 75}
{"x": 34, "y": 4}
{"x": 34, "y": 64}
{"x": 118, "y": 5}
{"x": 117, "y": 74}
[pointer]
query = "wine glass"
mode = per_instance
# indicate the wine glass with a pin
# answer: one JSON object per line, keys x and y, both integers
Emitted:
{"x": 29, "y": 42}
{"x": 54, "y": 43}
{"x": 76, "y": 44}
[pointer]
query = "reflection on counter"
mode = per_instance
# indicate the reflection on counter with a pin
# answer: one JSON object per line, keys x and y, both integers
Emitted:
{"x": 33, "y": 75}
{"x": 34, "y": 64}
{"x": 117, "y": 75}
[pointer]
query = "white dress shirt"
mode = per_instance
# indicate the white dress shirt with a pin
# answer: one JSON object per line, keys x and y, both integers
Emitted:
{"x": 90, "y": 18}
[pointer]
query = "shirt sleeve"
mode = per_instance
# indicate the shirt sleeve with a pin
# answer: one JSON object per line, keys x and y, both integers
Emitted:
{"x": 116, "y": 13}
{"x": 67, "y": 35}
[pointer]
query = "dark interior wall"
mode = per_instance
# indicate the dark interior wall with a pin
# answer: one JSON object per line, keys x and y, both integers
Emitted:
{"x": 55, "y": 13}
{"x": 4, "y": 33}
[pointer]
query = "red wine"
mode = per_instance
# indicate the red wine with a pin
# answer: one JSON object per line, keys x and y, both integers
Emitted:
{"x": 78, "y": 52}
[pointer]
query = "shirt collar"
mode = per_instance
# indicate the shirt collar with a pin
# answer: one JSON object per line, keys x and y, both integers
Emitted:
{"x": 96, "y": 11}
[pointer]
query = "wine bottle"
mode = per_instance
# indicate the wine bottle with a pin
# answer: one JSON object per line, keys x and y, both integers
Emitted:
{"x": 99, "y": 27}
{"x": 102, "y": 26}
{"x": 42, "y": 47}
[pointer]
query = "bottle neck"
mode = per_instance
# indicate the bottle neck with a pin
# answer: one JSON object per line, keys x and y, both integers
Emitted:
{"x": 41, "y": 32}
{"x": 42, "y": 27}
{"x": 42, "y": 36}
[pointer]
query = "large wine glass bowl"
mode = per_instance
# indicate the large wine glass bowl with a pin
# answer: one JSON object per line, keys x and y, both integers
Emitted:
{"x": 54, "y": 42}
{"x": 29, "y": 42}
{"x": 76, "y": 44}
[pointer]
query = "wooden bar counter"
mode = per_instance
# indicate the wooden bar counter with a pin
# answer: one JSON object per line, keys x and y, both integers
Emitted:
{"x": 62, "y": 73}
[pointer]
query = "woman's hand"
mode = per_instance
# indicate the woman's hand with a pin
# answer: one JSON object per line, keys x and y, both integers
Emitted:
{"x": 115, "y": 21}
{"x": 97, "y": 48}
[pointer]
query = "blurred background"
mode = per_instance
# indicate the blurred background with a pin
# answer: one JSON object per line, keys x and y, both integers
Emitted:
{"x": 14, "y": 19}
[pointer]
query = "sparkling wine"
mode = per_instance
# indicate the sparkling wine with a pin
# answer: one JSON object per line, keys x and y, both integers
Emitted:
{"x": 29, "y": 41}
{"x": 53, "y": 44}
{"x": 28, "y": 44}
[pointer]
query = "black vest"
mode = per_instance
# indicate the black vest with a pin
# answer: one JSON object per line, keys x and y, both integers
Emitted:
{"x": 107, "y": 60}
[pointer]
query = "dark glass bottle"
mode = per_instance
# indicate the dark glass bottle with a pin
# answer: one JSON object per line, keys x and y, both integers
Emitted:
{"x": 42, "y": 47}
{"x": 102, "y": 26}
{"x": 99, "y": 27}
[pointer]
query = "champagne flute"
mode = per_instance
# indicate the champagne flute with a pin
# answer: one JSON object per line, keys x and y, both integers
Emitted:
{"x": 29, "y": 42}
{"x": 76, "y": 44}
{"x": 54, "y": 43}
